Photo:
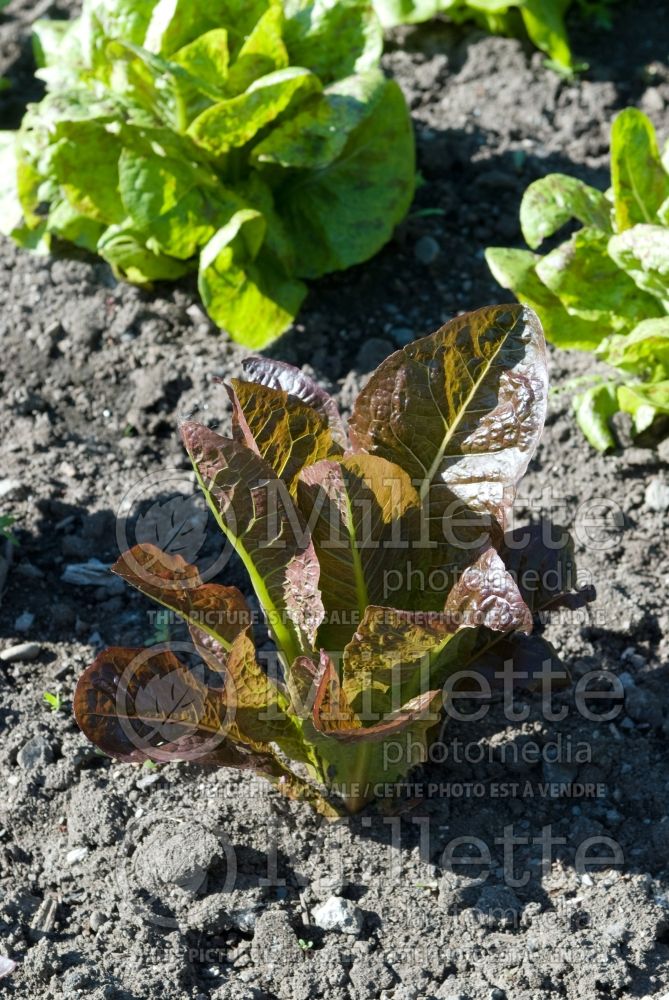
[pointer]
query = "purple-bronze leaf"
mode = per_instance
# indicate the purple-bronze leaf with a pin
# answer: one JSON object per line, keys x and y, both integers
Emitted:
{"x": 463, "y": 408}
{"x": 331, "y": 711}
{"x": 144, "y": 704}
{"x": 287, "y": 433}
{"x": 279, "y": 375}
{"x": 257, "y": 514}
{"x": 487, "y": 596}
{"x": 219, "y": 611}
{"x": 353, "y": 507}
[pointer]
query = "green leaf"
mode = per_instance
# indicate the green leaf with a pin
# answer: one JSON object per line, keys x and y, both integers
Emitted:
{"x": 11, "y": 212}
{"x": 395, "y": 12}
{"x": 644, "y": 352}
{"x": 643, "y": 252}
{"x": 164, "y": 89}
{"x": 176, "y": 204}
{"x": 640, "y": 182}
{"x": 125, "y": 251}
{"x": 58, "y": 52}
{"x": 594, "y": 410}
{"x": 265, "y": 528}
{"x": 333, "y": 39}
{"x": 243, "y": 287}
{"x": 344, "y": 213}
{"x": 591, "y": 285}
{"x": 516, "y": 270}
{"x": 317, "y": 135}
{"x": 545, "y": 25}
{"x": 553, "y": 200}
{"x": 263, "y": 51}
{"x": 85, "y": 162}
{"x": 207, "y": 57}
{"x": 176, "y": 23}
{"x": 66, "y": 223}
{"x": 644, "y": 402}
{"x": 235, "y": 122}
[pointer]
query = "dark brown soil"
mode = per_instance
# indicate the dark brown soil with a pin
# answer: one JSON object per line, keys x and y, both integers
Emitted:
{"x": 117, "y": 882}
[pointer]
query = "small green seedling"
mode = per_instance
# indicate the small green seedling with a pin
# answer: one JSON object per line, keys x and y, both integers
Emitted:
{"x": 54, "y": 701}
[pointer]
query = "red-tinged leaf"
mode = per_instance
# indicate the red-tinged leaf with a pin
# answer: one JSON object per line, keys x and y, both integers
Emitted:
{"x": 219, "y": 611}
{"x": 487, "y": 596}
{"x": 256, "y": 513}
{"x": 301, "y": 681}
{"x": 541, "y": 558}
{"x": 353, "y": 507}
{"x": 144, "y": 704}
{"x": 331, "y": 711}
{"x": 463, "y": 408}
{"x": 279, "y": 375}
{"x": 389, "y": 648}
{"x": 422, "y": 709}
{"x": 287, "y": 433}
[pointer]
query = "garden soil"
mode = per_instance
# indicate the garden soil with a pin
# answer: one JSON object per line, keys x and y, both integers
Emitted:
{"x": 533, "y": 861}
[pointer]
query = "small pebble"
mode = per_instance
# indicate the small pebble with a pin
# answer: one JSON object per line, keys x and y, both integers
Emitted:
{"x": 24, "y": 622}
{"x": 76, "y": 855}
{"x": 402, "y": 335}
{"x": 7, "y": 966}
{"x": 426, "y": 250}
{"x": 34, "y": 754}
{"x": 337, "y": 914}
{"x": 97, "y": 919}
{"x": 21, "y": 653}
{"x": 657, "y": 494}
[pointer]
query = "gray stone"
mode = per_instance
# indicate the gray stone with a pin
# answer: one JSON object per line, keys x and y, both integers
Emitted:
{"x": 426, "y": 250}
{"x": 97, "y": 919}
{"x": 657, "y": 494}
{"x": 328, "y": 885}
{"x": 24, "y": 622}
{"x": 21, "y": 653}
{"x": 337, "y": 914}
{"x": 10, "y": 489}
{"x": 35, "y": 754}
{"x": 76, "y": 855}
{"x": 372, "y": 353}
{"x": 7, "y": 966}
{"x": 402, "y": 335}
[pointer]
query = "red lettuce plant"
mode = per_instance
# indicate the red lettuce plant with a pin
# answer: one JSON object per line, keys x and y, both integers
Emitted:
{"x": 378, "y": 560}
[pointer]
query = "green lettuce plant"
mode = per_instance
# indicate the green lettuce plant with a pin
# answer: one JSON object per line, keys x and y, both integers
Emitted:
{"x": 378, "y": 557}
{"x": 606, "y": 288}
{"x": 255, "y": 142}
{"x": 541, "y": 20}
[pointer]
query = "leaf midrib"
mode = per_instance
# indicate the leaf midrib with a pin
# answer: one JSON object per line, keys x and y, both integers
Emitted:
{"x": 476, "y": 385}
